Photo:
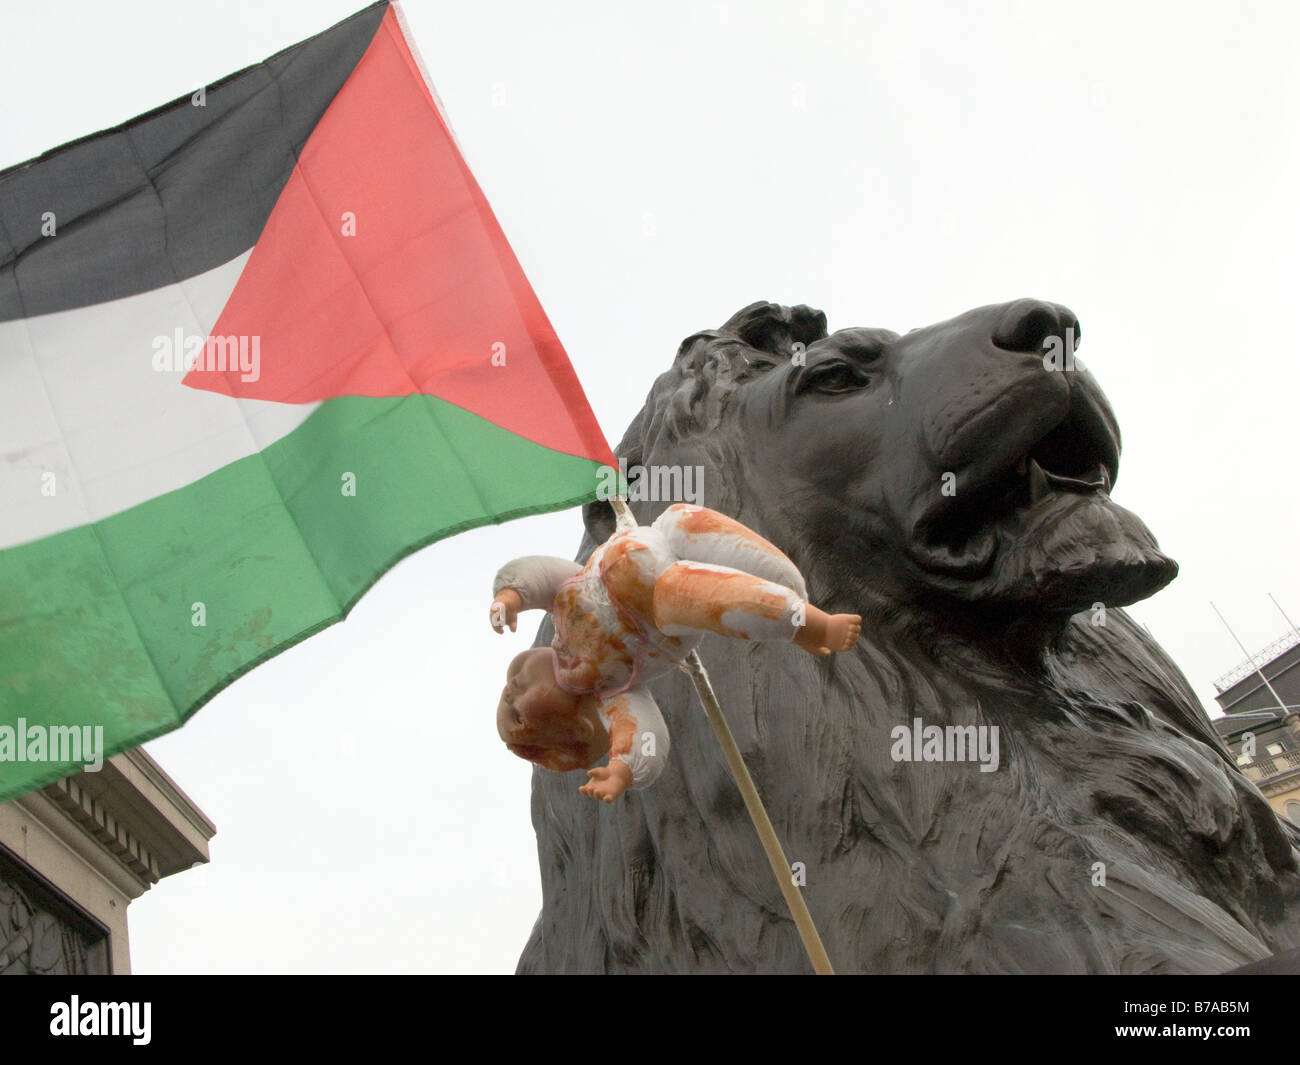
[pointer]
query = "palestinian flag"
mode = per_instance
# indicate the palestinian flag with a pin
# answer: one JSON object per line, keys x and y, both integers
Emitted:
{"x": 256, "y": 346}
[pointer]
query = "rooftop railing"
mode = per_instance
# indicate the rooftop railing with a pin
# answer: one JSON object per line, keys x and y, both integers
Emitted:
{"x": 1263, "y": 658}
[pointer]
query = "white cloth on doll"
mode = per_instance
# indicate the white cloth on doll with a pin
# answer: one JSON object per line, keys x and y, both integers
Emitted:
{"x": 704, "y": 569}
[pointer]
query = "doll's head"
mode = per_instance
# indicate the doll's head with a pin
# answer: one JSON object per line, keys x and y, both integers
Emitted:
{"x": 542, "y": 723}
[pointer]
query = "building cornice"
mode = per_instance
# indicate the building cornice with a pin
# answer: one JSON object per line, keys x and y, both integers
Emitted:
{"x": 132, "y": 822}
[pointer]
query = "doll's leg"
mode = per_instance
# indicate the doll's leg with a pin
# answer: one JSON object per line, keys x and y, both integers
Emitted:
{"x": 703, "y": 535}
{"x": 699, "y": 596}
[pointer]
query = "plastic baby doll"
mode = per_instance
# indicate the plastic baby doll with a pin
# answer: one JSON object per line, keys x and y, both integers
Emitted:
{"x": 636, "y": 609}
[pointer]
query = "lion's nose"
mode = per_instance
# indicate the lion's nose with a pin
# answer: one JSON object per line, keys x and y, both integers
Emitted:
{"x": 1027, "y": 324}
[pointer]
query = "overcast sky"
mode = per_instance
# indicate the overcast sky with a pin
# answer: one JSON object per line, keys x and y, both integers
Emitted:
{"x": 656, "y": 167}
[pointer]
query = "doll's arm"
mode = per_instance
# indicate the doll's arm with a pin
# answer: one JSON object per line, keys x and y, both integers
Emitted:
{"x": 638, "y": 745}
{"x": 534, "y": 580}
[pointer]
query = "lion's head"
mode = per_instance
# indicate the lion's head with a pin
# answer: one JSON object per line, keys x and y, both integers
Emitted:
{"x": 953, "y": 462}
{"x": 952, "y": 485}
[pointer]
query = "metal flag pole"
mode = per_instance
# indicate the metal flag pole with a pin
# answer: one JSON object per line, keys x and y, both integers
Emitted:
{"x": 812, "y": 942}
{"x": 1283, "y": 613}
{"x": 1251, "y": 659}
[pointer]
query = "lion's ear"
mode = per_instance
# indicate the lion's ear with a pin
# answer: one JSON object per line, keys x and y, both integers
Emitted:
{"x": 807, "y": 324}
{"x": 773, "y": 328}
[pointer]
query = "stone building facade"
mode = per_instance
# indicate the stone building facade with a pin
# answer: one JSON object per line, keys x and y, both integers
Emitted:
{"x": 75, "y": 854}
{"x": 1262, "y": 727}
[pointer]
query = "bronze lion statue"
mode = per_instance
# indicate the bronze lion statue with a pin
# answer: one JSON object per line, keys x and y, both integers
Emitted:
{"x": 951, "y": 485}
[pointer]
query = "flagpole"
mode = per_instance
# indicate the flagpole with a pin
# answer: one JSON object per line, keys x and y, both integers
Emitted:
{"x": 1251, "y": 658}
{"x": 803, "y": 921}
{"x": 1284, "y": 614}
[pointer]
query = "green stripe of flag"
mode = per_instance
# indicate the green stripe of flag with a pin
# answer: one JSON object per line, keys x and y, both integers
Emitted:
{"x": 96, "y": 623}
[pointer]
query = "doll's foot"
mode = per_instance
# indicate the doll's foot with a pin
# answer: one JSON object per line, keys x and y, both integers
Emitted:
{"x": 822, "y": 633}
{"x": 607, "y": 782}
{"x": 842, "y": 631}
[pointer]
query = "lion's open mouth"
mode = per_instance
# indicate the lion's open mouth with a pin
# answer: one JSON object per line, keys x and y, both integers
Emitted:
{"x": 1032, "y": 521}
{"x": 1073, "y": 457}
{"x": 1079, "y": 455}
{"x": 1077, "y": 458}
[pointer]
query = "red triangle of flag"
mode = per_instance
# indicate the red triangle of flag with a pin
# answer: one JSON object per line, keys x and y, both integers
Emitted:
{"x": 383, "y": 272}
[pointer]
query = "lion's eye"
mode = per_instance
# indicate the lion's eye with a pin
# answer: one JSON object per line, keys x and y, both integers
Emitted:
{"x": 834, "y": 378}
